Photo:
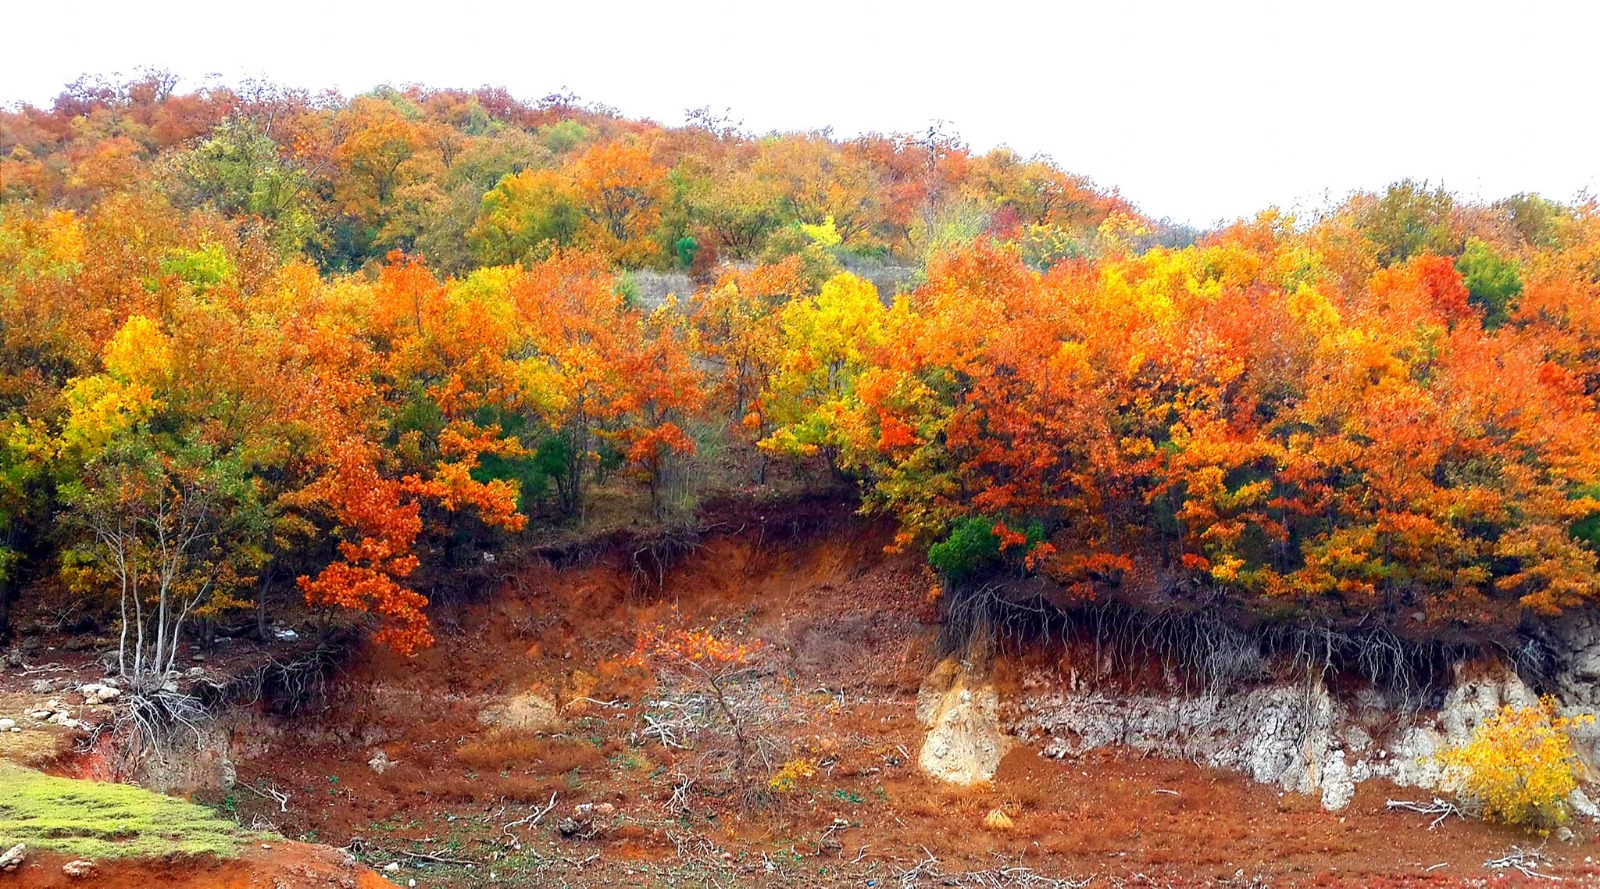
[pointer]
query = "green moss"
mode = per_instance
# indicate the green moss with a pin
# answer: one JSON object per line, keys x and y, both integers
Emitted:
{"x": 91, "y": 819}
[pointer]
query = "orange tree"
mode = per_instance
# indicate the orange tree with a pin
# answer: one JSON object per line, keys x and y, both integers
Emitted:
{"x": 1228, "y": 416}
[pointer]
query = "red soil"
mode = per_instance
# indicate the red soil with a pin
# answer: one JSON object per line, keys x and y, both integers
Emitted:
{"x": 849, "y": 632}
{"x": 283, "y": 866}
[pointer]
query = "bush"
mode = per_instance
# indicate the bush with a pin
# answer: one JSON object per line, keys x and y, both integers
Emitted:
{"x": 974, "y": 547}
{"x": 1519, "y": 766}
{"x": 794, "y": 773}
{"x": 971, "y": 547}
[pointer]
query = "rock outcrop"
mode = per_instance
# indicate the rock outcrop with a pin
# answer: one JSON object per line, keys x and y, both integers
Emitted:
{"x": 962, "y": 712}
{"x": 1298, "y": 736}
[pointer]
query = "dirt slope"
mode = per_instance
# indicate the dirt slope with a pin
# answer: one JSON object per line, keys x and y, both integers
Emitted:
{"x": 282, "y": 866}
{"x": 849, "y": 635}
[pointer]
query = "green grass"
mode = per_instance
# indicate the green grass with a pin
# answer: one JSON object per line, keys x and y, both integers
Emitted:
{"x": 91, "y": 819}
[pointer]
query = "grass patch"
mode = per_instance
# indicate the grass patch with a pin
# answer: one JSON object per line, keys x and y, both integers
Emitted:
{"x": 29, "y": 748}
{"x": 92, "y": 819}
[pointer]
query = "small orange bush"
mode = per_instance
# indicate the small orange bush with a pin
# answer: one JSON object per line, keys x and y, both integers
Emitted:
{"x": 1519, "y": 766}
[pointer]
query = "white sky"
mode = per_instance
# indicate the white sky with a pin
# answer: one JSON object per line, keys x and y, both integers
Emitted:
{"x": 1200, "y": 111}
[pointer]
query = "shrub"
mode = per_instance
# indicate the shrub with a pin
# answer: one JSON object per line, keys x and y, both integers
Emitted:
{"x": 975, "y": 546}
{"x": 792, "y": 775}
{"x": 971, "y": 547}
{"x": 1519, "y": 766}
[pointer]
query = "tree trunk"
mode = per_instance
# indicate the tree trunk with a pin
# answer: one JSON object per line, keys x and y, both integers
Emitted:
{"x": 8, "y": 595}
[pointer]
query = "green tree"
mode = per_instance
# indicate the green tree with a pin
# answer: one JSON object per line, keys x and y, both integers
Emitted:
{"x": 240, "y": 171}
{"x": 1409, "y": 219}
{"x": 173, "y": 528}
{"x": 1493, "y": 283}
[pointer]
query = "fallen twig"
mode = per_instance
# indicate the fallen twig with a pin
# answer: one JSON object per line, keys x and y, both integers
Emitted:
{"x": 928, "y": 869}
{"x": 1442, "y": 808}
{"x": 424, "y": 856}
{"x": 271, "y": 793}
{"x": 1523, "y": 861}
{"x": 530, "y": 820}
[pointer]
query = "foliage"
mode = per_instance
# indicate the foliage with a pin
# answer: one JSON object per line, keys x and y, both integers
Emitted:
{"x": 96, "y": 820}
{"x": 1493, "y": 284}
{"x": 977, "y": 544}
{"x": 971, "y": 547}
{"x": 383, "y": 334}
{"x": 1408, "y": 220}
{"x": 1520, "y": 766}
{"x": 792, "y": 774}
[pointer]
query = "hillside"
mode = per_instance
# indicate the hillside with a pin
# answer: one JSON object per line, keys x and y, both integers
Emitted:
{"x": 504, "y": 490}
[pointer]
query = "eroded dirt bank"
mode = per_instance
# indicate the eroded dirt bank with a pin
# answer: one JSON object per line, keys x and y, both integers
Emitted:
{"x": 267, "y": 866}
{"x": 530, "y": 748}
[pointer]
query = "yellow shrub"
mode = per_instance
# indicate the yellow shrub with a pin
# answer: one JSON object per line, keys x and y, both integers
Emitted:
{"x": 1519, "y": 766}
{"x": 791, "y": 775}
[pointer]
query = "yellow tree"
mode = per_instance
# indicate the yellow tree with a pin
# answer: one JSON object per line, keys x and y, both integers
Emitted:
{"x": 828, "y": 340}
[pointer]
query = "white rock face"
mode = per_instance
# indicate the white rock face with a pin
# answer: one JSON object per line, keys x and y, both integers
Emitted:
{"x": 1295, "y": 736}
{"x": 12, "y": 858}
{"x": 964, "y": 744}
{"x": 1276, "y": 734}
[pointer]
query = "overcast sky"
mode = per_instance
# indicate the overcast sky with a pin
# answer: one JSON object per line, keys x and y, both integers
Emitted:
{"x": 1194, "y": 110}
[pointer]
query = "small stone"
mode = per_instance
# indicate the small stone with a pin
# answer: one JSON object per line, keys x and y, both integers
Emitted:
{"x": 79, "y": 868}
{"x": 392, "y": 866}
{"x": 7, "y": 725}
{"x": 1565, "y": 834}
{"x": 380, "y": 762}
{"x": 195, "y": 672}
{"x": 199, "y": 658}
{"x": 12, "y": 858}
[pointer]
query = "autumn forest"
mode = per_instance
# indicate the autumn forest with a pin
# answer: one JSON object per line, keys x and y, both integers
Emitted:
{"x": 261, "y": 347}
{"x": 450, "y": 488}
